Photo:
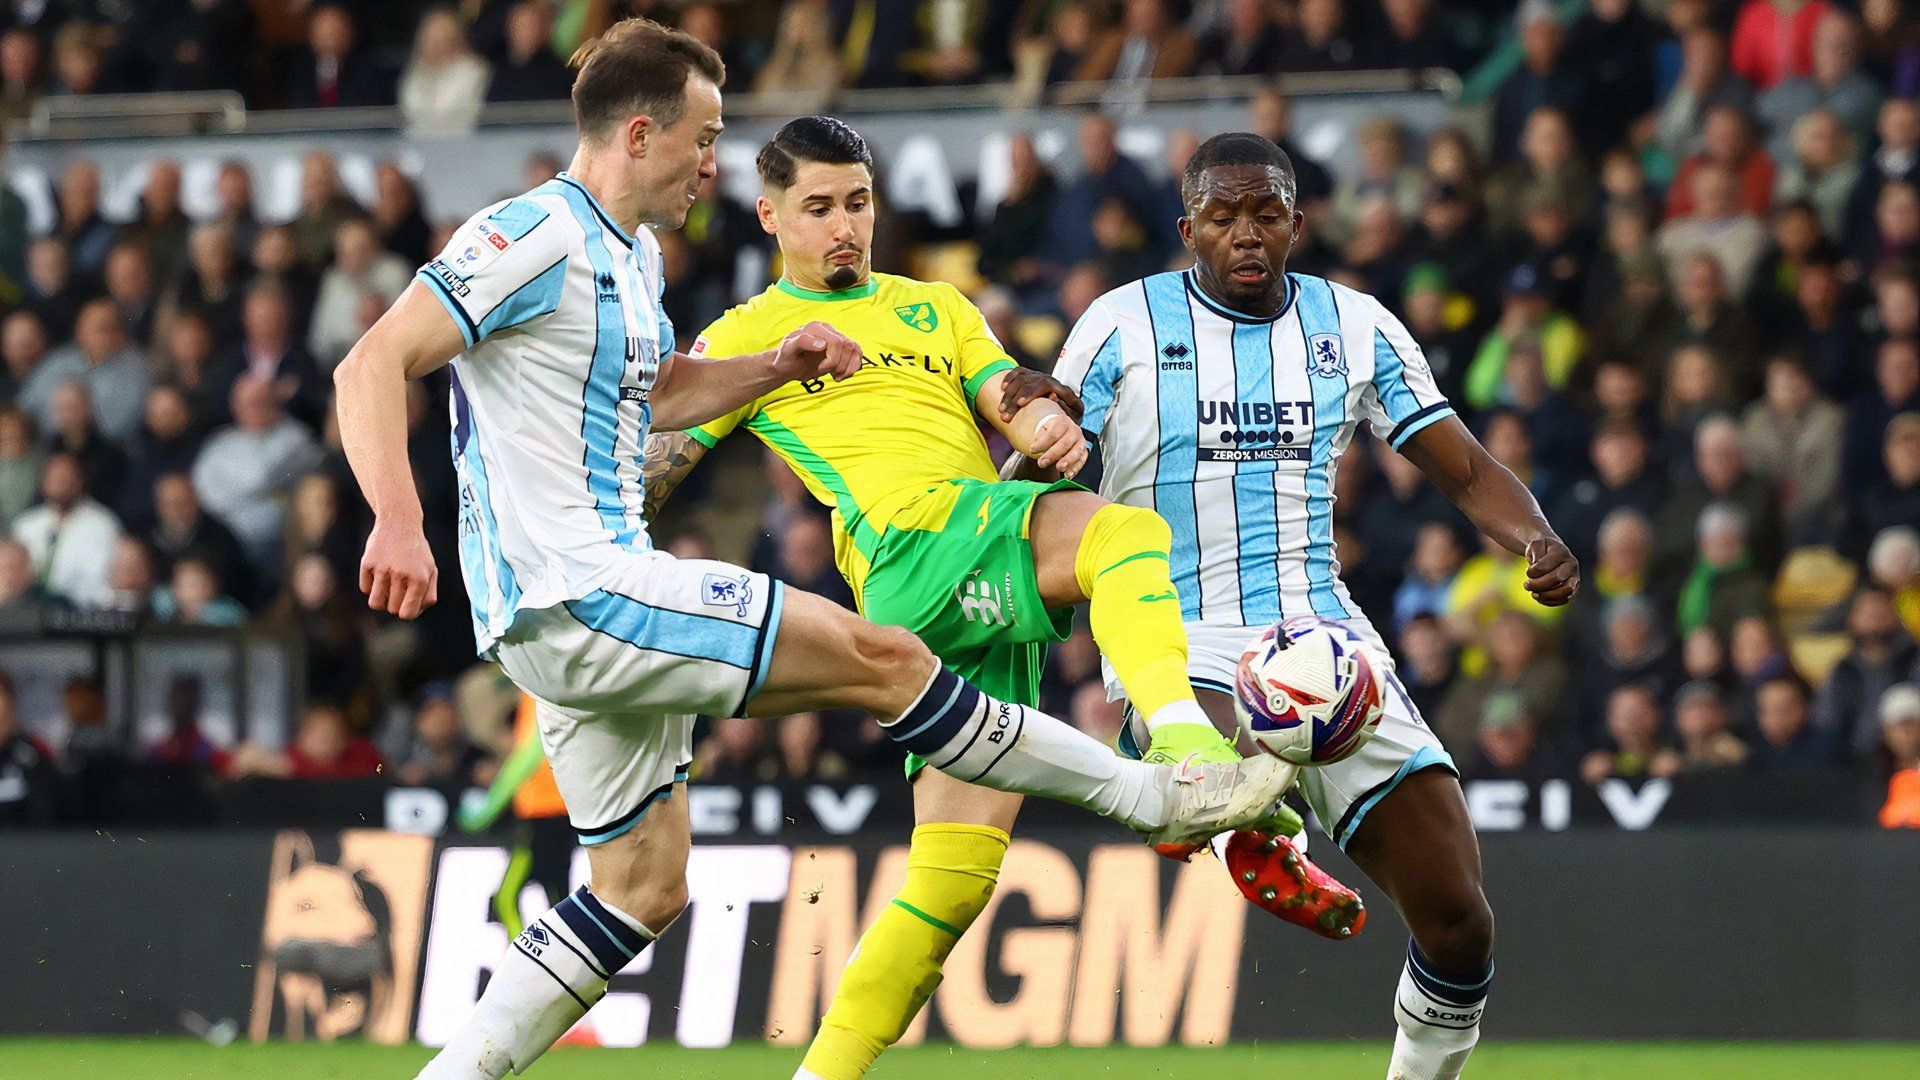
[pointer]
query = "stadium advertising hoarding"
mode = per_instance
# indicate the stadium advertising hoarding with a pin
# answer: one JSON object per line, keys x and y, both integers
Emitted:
{"x": 1090, "y": 940}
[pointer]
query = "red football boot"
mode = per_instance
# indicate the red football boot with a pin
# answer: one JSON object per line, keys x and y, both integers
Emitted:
{"x": 1275, "y": 877}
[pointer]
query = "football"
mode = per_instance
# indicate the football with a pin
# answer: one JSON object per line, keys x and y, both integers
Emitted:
{"x": 1308, "y": 692}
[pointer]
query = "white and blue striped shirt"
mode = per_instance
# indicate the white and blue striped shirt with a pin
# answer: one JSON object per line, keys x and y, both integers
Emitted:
{"x": 1231, "y": 427}
{"x": 561, "y": 313}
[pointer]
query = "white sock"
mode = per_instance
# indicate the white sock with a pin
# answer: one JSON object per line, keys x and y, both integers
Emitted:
{"x": 1186, "y": 711}
{"x": 971, "y": 736}
{"x": 551, "y": 975}
{"x": 1439, "y": 1021}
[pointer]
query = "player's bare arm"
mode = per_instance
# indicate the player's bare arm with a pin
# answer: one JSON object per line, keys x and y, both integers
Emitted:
{"x": 1498, "y": 504}
{"x": 1041, "y": 429}
{"x": 415, "y": 337}
{"x": 693, "y": 390}
{"x": 666, "y": 460}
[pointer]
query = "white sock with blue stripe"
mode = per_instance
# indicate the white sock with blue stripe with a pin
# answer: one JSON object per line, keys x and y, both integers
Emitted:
{"x": 551, "y": 975}
{"x": 1439, "y": 1021}
{"x": 971, "y": 736}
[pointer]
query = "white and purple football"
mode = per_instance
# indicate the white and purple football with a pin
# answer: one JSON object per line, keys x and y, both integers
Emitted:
{"x": 1308, "y": 692}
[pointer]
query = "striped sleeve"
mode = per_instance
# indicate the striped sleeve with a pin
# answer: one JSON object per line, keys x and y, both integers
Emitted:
{"x": 506, "y": 267}
{"x": 1090, "y": 364}
{"x": 1403, "y": 399}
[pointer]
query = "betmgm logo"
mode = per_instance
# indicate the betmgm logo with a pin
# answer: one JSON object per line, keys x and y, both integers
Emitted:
{"x": 983, "y": 602}
{"x": 1254, "y": 430}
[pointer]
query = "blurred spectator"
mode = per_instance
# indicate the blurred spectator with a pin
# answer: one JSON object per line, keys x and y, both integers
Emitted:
{"x": 21, "y": 74}
{"x": 1615, "y": 42}
{"x": 1836, "y": 84}
{"x": 806, "y": 559}
{"x": 1895, "y": 501}
{"x": 160, "y": 227}
{"x": 1755, "y": 655}
{"x": 1270, "y": 115}
{"x": 1322, "y": 39}
{"x": 1436, "y": 559}
{"x": 204, "y": 45}
{"x": 270, "y": 353}
{"x": 78, "y": 55}
{"x": 1896, "y": 160}
{"x": 1893, "y": 45}
{"x": 324, "y": 206}
{"x": 1893, "y": 237}
{"x": 1792, "y": 438}
{"x": 182, "y": 530}
{"x": 1550, "y": 162}
{"x": 1105, "y": 174}
{"x": 1896, "y": 305}
{"x": 1396, "y": 511}
{"x": 1717, "y": 227}
{"x": 1528, "y": 315}
{"x": 787, "y": 501}
{"x": 88, "y": 235}
{"x": 1439, "y": 318}
{"x": 209, "y": 287}
{"x": 398, "y": 216}
{"x": 1882, "y": 655}
{"x": 246, "y": 468}
{"x": 1247, "y": 39}
{"x": 1773, "y": 39}
{"x": 1723, "y": 586}
{"x": 1705, "y": 83}
{"x": 529, "y": 70}
{"x": 113, "y": 373}
{"x": 233, "y": 188}
{"x": 438, "y": 752}
{"x": 1727, "y": 140}
{"x": 1620, "y": 568}
{"x": 1516, "y": 662}
{"x": 69, "y": 536}
{"x": 1895, "y": 390}
{"x": 444, "y": 83}
{"x": 1634, "y": 648}
{"x": 102, "y": 462}
{"x": 168, "y": 442}
{"x": 194, "y": 596}
{"x": 1701, "y": 720}
{"x": 185, "y": 745}
{"x": 51, "y": 291}
{"x": 323, "y": 748}
{"x": 1507, "y": 744}
{"x": 1384, "y": 173}
{"x": 1788, "y": 742}
{"x": 315, "y": 524}
{"x": 131, "y": 580}
{"x": 1635, "y": 747}
{"x": 328, "y": 624}
{"x": 29, "y": 786}
{"x": 1426, "y": 666}
{"x": 1150, "y": 45}
{"x": 129, "y": 281}
{"x": 331, "y": 71}
{"x": 360, "y": 268}
{"x": 1711, "y": 316}
{"x": 1831, "y": 341}
{"x": 1900, "y": 736}
{"x": 1621, "y": 480}
{"x": 1893, "y": 564}
{"x": 805, "y": 60}
{"x": 1703, "y": 658}
{"x": 81, "y": 739}
{"x": 23, "y": 343}
{"x": 1545, "y": 80}
{"x": 1409, "y": 36}
{"x": 19, "y": 466}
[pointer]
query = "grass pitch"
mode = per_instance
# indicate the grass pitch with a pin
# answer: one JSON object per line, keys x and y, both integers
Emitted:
{"x": 183, "y": 1059}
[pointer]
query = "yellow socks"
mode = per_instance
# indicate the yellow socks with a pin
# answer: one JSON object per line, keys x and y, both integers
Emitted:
{"x": 1122, "y": 568}
{"x": 951, "y": 871}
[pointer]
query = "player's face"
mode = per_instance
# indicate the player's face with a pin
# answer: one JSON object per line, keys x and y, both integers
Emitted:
{"x": 1240, "y": 226}
{"x": 825, "y": 225}
{"x": 679, "y": 157}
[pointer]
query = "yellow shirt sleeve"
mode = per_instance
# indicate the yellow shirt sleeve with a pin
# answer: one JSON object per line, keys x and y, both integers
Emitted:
{"x": 720, "y": 340}
{"x": 981, "y": 354}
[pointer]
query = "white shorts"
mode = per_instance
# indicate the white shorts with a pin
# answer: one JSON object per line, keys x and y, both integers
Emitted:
{"x": 1342, "y": 793}
{"x": 620, "y": 674}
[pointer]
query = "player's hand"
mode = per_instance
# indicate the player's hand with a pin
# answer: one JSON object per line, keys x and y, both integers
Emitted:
{"x": 398, "y": 573}
{"x": 1553, "y": 574}
{"x": 1023, "y": 384}
{"x": 1058, "y": 445}
{"x": 817, "y": 349}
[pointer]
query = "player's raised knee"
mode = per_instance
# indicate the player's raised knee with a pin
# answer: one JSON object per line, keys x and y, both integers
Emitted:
{"x": 1457, "y": 935}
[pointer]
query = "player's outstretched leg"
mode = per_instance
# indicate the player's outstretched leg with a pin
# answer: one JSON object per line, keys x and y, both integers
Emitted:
{"x": 1418, "y": 845}
{"x": 557, "y": 968}
{"x": 960, "y": 836}
{"x": 827, "y": 657}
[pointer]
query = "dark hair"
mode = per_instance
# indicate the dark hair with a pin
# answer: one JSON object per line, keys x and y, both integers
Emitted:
{"x": 821, "y": 139}
{"x": 1236, "y": 148}
{"x": 638, "y": 66}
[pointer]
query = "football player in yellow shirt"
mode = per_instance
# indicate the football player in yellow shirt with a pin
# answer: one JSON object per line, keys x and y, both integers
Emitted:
{"x": 985, "y": 571}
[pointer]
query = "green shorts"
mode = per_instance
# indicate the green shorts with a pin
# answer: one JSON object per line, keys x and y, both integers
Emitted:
{"x": 956, "y": 568}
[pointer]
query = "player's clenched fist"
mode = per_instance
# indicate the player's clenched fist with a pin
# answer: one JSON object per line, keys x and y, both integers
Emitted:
{"x": 1553, "y": 574}
{"x": 1058, "y": 444}
{"x": 817, "y": 349}
{"x": 398, "y": 573}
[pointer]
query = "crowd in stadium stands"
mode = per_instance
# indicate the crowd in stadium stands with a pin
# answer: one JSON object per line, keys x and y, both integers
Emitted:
{"x": 1677, "y": 292}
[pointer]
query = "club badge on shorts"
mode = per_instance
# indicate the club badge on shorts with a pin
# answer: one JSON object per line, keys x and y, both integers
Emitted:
{"x": 719, "y": 590}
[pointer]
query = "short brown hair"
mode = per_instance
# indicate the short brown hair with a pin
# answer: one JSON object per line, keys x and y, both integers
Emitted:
{"x": 638, "y": 66}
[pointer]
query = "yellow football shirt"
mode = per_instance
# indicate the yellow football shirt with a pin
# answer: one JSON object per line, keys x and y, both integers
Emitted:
{"x": 904, "y": 424}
